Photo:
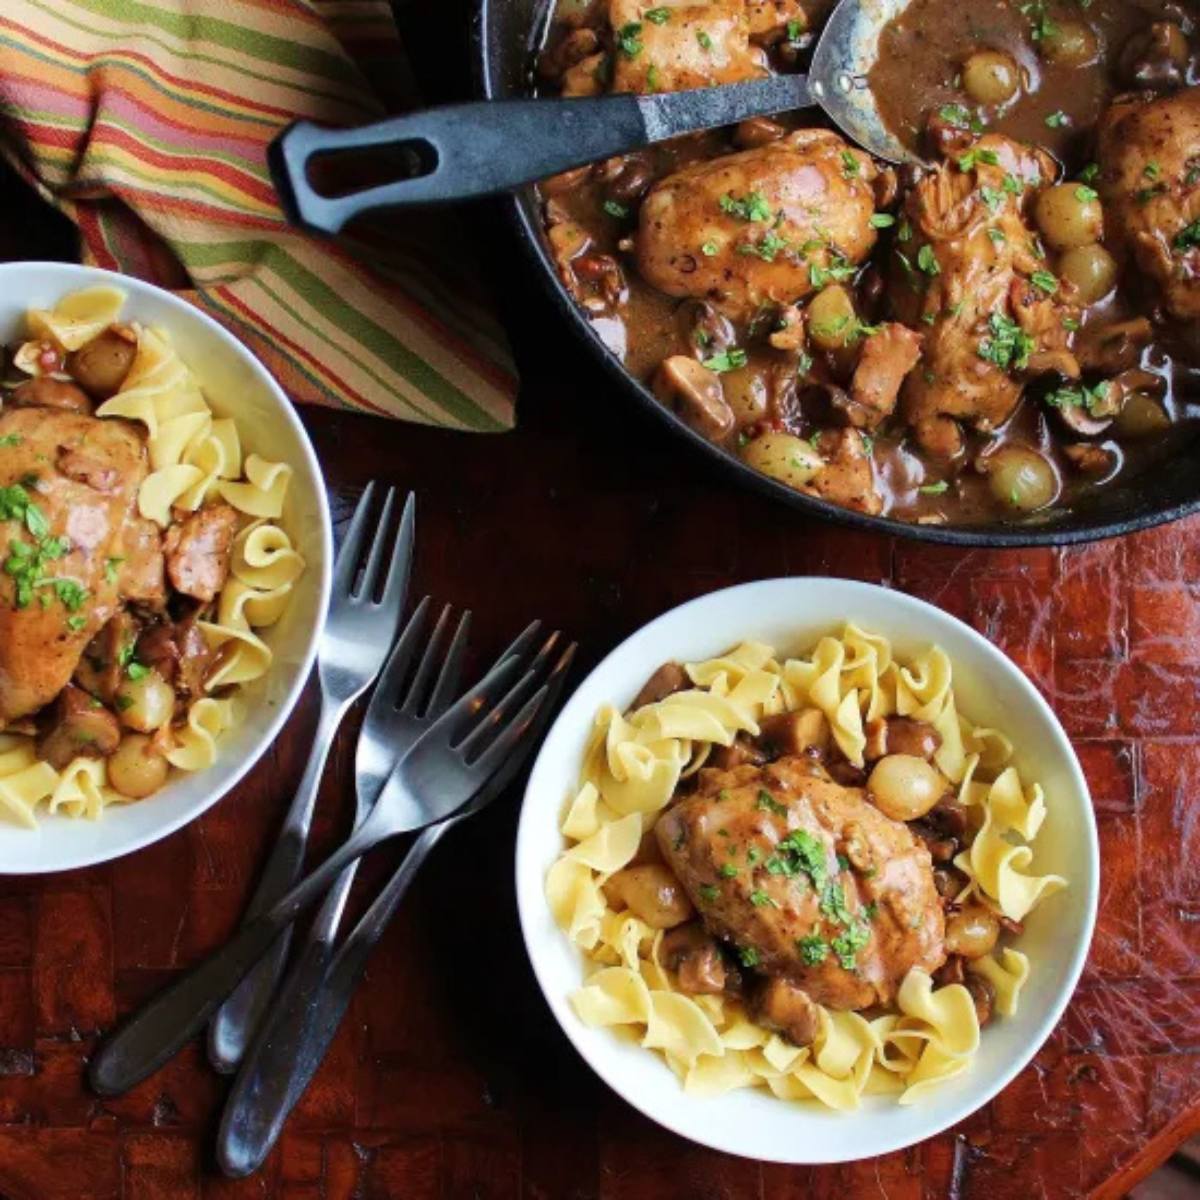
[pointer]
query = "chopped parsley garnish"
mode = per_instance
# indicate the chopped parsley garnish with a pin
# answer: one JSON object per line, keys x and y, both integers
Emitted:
{"x": 1086, "y": 194}
{"x": 766, "y": 249}
{"x": 934, "y": 489}
{"x": 753, "y": 207}
{"x": 1044, "y": 282}
{"x": 726, "y": 360}
{"x": 657, "y": 16}
{"x": 629, "y": 39}
{"x": 839, "y": 269}
{"x": 975, "y": 156}
{"x": 652, "y": 77}
{"x": 1012, "y": 185}
{"x": 904, "y": 233}
{"x": 709, "y": 892}
{"x": 111, "y": 566}
{"x": 759, "y": 898}
{"x": 992, "y": 197}
{"x": 1008, "y": 346}
{"x": 1145, "y": 195}
{"x": 799, "y": 853}
{"x": 76, "y": 623}
{"x": 767, "y": 803}
{"x": 833, "y": 904}
{"x": 123, "y": 702}
{"x": 1071, "y": 324}
{"x": 709, "y": 248}
{"x": 615, "y": 209}
{"x": 960, "y": 117}
{"x": 847, "y": 946}
{"x": 813, "y": 949}
{"x": 882, "y": 220}
{"x": 795, "y": 31}
{"x": 1090, "y": 173}
{"x": 1057, "y": 120}
{"x": 10, "y": 439}
{"x": 16, "y": 505}
{"x": 850, "y": 165}
{"x": 1081, "y": 396}
{"x": 137, "y": 670}
{"x": 706, "y": 42}
{"x": 927, "y": 260}
{"x": 871, "y": 910}
{"x": 804, "y": 363}
{"x": 1152, "y": 171}
{"x": 728, "y": 871}
{"x": 748, "y": 956}
{"x": 753, "y": 855}
{"x": 1188, "y": 237}
{"x": 1041, "y": 25}
{"x": 998, "y": 236}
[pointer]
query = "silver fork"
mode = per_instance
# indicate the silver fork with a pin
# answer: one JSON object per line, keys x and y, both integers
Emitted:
{"x": 296, "y": 1033}
{"x": 459, "y": 753}
{"x": 354, "y": 642}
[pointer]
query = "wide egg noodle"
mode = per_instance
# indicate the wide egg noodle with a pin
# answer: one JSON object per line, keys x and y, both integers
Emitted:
{"x": 195, "y": 743}
{"x": 25, "y": 781}
{"x": 81, "y": 789}
{"x": 1006, "y": 975}
{"x": 78, "y": 317}
{"x": 264, "y": 557}
{"x": 264, "y": 490}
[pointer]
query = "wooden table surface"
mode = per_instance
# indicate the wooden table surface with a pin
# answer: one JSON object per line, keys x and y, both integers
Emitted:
{"x": 449, "y": 1077}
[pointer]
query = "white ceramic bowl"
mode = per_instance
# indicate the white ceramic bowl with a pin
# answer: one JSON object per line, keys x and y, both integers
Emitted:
{"x": 236, "y": 385}
{"x": 791, "y": 614}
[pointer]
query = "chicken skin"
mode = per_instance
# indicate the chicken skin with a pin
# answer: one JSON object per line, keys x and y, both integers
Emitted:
{"x": 68, "y": 492}
{"x": 761, "y": 227}
{"x": 684, "y": 46}
{"x": 1149, "y": 155}
{"x": 969, "y": 270}
{"x": 808, "y": 879}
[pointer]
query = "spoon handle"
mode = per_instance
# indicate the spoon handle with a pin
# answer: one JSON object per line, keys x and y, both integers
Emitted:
{"x": 464, "y": 151}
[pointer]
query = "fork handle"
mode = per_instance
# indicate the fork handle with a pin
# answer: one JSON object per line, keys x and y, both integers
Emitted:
{"x": 157, "y": 1030}
{"x": 294, "y": 1041}
{"x": 235, "y": 1022}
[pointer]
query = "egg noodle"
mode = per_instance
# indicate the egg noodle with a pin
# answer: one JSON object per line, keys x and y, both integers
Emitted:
{"x": 194, "y": 457}
{"x": 631, "y": 768}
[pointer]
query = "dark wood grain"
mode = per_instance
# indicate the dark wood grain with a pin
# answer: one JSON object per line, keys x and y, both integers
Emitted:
{"x": 449, "y": 1077}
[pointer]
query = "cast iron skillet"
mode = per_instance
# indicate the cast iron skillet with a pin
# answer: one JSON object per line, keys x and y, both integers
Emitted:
{"x": 505, "y": 38}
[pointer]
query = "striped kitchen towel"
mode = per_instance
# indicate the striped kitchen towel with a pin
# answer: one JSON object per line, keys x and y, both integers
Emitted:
{"x": 147, "y": 122}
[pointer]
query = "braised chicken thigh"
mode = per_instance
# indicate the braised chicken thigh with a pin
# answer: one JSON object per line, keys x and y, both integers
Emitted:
{"x": 1149, "y": 155}
{"x": 825, "y": 890}
{"x": 80, "y": 475}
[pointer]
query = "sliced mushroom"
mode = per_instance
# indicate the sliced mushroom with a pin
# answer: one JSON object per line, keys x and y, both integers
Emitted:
{"x": 695, "y": 393}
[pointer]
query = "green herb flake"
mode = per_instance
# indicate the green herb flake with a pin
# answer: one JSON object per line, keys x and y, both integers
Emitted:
{"x": 1044, "y": 282}
{"x": 728, "y": 871}
{"x": 76, "y": 623}
{"x": 882, "y": 220}
{"x": 813, "y": 949}
{"x": 847, "y": 946}
{"x": 1057, "y": 120}
{"x": 629, "y": 39}
{"x": 850, "y": 164}
{"x": 111, "y": 568}
{"x": 10, "y": 439}
{"x": 709, "y": 892}
{"x": 615, "y": 209}
{"x": 767, "y": 803}
{"x": 748, "y": 956}
{"x": 934, "y": 489}
{"x": 137, "y": 670}
{"x": 927, "y": 260}
{"x": 657, "y": 16}
{"x": 753, "y": 207}
{"x": 1188, "y": 237}
{"x": 709, "y": 248}
{"x": 1008, "y": 346}
{"x": 706, "y": 42}
{"x": 760, "y": 899}
{"x": 1086, "y": 194}
{"x": 726, "y": 360}
{"x": 1090, "y": 173}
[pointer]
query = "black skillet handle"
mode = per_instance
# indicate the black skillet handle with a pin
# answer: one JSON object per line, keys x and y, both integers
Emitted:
{"x": 467, "y": 150}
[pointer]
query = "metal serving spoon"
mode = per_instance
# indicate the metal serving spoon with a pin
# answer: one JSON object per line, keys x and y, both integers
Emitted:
{"x": 467, "y": 150}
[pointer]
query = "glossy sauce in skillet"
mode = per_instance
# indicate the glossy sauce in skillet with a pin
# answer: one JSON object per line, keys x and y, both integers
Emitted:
{"x": 592, "y": 218}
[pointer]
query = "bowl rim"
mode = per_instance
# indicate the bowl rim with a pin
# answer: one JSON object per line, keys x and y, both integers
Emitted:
{"x": 76, "y": 275}
{"x": 517, "y": 210}
{"x": 538, "y": 952}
